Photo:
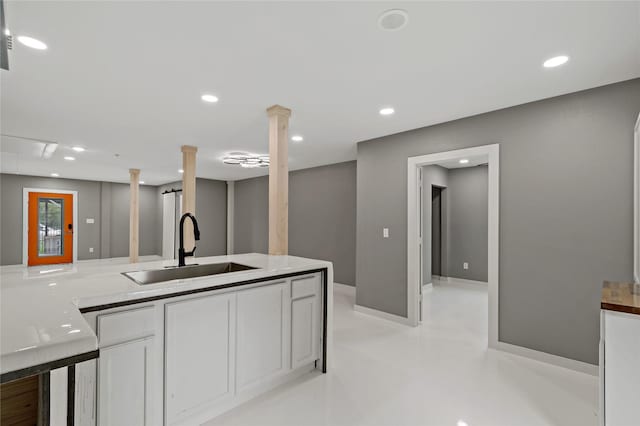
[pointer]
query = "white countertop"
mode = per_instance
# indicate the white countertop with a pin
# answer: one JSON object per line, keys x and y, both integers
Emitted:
{"x": 40, "y": 319}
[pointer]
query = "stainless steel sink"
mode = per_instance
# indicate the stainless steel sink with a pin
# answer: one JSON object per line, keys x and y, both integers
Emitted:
{"x": 184, "y": 272}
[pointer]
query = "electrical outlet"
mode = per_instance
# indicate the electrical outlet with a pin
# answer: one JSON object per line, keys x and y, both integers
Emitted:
{"x": 385, "y": 232}
{"x": 91, "y": 220}
{"x": 90, "y": 249}
{"x": 465, "y": 265}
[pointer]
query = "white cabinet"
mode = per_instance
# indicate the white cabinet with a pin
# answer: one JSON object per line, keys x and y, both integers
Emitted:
{"x": 125, "y": 384}
{"x": 185, "y": 359}
{"x": 304, "y": 331}
{"x": 305, "y": 320}
{"x": 199, "y": 355}
{"x": 262, "y": 345}
{"x": 620, "y": 371}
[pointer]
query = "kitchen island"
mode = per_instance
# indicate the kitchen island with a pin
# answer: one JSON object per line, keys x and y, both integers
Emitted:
{"x": 113, "y": 351}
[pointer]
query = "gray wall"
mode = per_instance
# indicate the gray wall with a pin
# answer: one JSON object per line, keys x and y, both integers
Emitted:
{"x": 468, "y": 217}
{"x": 211, "y": 214}
{"x": 322, "y": 216}
{"x": 566, "y": 179}
{"x": 107, "y": 203}
{"x": 438, "y": 176}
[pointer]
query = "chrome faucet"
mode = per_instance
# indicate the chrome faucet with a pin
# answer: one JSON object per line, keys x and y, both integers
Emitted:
{"x": 196, "y": 233}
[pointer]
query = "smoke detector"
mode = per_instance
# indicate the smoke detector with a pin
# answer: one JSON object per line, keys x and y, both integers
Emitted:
{"x": 393, "y": 19}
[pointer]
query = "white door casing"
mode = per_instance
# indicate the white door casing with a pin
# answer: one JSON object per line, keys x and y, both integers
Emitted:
{"x": 414, "y": 231}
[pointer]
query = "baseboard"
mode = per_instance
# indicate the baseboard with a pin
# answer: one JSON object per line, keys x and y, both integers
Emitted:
{"x": 548, "y": 358}
{"x": 344, "y": 288}
{"x": 455, "y": 280}
{"x": 381, "y": 314}
{"x": 427, "y": 286}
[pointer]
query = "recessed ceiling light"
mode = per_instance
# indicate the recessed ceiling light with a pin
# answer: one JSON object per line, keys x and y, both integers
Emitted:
{"x": 387, "y": 111}
{"x": 297, "y": 138}
{"x": 55, "y": 174}
{"x": 393, "y": 19}
{"x": 7, "y": 32}
{"x": 209, "y": 98}
{"x": 68, "y": 158}
{"x": 180, "y": 171}
{"x": 141, "y": 182}
{"x": 556, "y": 61}
{"x": 464, "y": 161}
{"x": 32, "y": 42}
{"x": 78, "y": 149}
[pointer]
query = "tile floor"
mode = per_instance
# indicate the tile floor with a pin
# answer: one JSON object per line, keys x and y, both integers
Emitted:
{"x": 440, "y": 373}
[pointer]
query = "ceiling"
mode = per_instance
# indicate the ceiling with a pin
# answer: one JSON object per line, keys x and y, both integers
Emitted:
{"x": 126, "y": 77}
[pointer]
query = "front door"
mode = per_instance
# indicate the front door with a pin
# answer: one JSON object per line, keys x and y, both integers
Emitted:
{"x": 50, "y": 236}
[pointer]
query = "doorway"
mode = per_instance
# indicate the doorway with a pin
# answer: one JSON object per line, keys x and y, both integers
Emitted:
{"x": 436, "y": 230}
{"x": 491, "y": 154}
{"x": 50, "y": 228}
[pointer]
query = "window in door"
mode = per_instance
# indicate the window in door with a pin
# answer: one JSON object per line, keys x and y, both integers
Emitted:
{"x": 50, "y": 235}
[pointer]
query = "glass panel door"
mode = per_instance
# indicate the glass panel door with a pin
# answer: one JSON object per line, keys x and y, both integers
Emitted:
{"x": 50, "y": 234}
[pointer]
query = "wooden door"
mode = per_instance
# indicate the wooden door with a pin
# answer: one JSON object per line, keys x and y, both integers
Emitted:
{"x": 50, "y": 235}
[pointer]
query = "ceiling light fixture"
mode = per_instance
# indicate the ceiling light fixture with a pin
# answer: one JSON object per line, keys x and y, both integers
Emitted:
{"x": 68, "y": 158}
{"x": 55, "y": 175}
{"x": 32, "y": 42}
{"x": 209, "y": 98}
{"x": 246, "y": 160}
{"x": 387, "y": 111}
{"x": 464, "y": 161}
{"x": 393, "y": 19}
{"x": 180, "y": 171}
{"x": 556, "y": 61}
{"x": 78, "y": 149}
{"x": 297, "y": 138}
{"x": 141, "y": 182}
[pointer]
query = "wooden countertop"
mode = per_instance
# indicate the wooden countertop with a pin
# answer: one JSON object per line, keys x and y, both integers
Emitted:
{"x": 621, "y": 297}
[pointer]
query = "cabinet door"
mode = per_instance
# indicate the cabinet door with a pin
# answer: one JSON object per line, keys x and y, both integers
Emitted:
{"x": 125, "y": 385}
{"x": 304, "y": 330}
{"x": 199, "y": 355}
{"x": 262, "y": 348}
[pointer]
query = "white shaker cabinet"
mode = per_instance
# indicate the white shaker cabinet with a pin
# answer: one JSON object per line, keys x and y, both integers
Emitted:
{"x": 263, "y": 327}
{"x": 125, "y": 384}
{"x": 199, "y": 355}
{"x": 127, "y": 371}
{"x": 305, "y": 321}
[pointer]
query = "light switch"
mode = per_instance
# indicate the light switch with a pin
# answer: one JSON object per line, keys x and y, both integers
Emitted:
{"x": 90, "y": 249}
{"x": 465, "y": 265}
{"x": 385, "y": 232}
{"x": 90, "y": 220}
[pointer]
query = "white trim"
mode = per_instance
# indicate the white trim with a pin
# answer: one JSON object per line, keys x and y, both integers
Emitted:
{"x": 344, "y": 288}
{"x": 413, "y": 211}
{"x": 548, "y": 358}
{"x": 231, "y": 196}
{"x": 636, "y": 201}
{"x": 25, "y": 220}
{"x": 380, "y": 314}
{"x": 455, "y": 280}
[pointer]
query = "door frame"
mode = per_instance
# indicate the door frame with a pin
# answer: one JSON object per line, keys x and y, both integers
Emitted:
{"x": 413, "y": 232}
{"x": 25, "y": 220}
{"x": 636, "y": 201}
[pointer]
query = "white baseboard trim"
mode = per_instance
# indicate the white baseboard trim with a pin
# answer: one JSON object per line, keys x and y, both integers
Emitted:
{"x": 455, "y": 280}
{"x": 344, "y": 288}
{"x": 427, "y": 286}
{"x": 547, "y": 358}
{"x": 381, "y": 314}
